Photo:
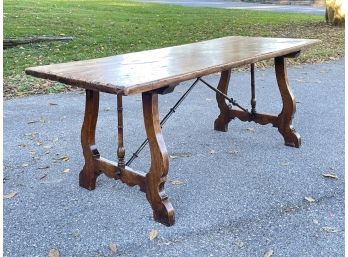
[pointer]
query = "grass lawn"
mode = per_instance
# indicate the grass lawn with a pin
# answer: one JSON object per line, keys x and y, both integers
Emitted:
{"x": 108, "y": 27}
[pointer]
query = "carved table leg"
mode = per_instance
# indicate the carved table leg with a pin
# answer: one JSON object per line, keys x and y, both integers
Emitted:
{"x": 163, "y": 211}
{"x": 88, "y": 175}
{"x": 291, "y": 137}
{"x": 221, "y": 123}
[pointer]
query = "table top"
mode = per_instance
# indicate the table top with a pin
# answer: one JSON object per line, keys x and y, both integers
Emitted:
{"x": 143, "y": 71}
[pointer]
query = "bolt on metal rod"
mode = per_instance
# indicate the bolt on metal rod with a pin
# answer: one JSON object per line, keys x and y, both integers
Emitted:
{"x": 172, "y": 110}
{"x": 231, "y": 100}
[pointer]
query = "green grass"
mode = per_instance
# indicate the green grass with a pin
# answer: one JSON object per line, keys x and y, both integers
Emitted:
{"x": 108, "y": 27}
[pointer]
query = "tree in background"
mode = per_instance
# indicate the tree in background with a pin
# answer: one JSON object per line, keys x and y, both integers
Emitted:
{"x": 335, "y": 12}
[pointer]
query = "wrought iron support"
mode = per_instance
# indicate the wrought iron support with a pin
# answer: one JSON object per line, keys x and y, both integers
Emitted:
{"x": 253, "y": 95}
{"x": 171, "y": 111}
{"x": 231, "y": 100}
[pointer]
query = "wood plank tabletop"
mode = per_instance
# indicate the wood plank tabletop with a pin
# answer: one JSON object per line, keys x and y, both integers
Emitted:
{"x": 143, "y": 71}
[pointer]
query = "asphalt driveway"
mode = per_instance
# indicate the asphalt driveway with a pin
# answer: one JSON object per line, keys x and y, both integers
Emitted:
{"x": 240, "y": 193}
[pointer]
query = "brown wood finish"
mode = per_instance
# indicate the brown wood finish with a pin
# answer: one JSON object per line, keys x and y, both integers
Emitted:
{"x": 94, "y": 164}
{"x": 151, "y": 183}
{"x": 221, "y": 123}
{"x": 121, "y": 151}
{"x": 148, "y": 70}
{"x": 163, "y": 210}
{"x": 158, "y": 72}
{"x": 291, "y": 137}
{"x": 89, "y": 173}
{"x": 283, "y": 121}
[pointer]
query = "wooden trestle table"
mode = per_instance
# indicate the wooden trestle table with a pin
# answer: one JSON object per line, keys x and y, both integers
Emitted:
{"x": 159, "y": 71}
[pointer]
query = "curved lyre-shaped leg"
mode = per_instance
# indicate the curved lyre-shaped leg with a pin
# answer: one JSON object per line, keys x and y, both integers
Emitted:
{"x": 163, "y": 211}
{"x": 88, "y": 175}
{"x": 291, "y": 137}
{"x": 221, "y": 123}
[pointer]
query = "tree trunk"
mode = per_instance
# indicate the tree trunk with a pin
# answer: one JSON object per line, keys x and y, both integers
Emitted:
{"x": 335, "y": 12}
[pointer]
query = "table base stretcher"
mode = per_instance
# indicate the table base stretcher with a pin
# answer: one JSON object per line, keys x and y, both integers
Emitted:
{"x": 152, "y": 183}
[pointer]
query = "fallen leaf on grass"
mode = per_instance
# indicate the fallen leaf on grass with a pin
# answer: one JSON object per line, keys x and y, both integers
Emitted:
{"x": 10, "y": 195}
{"x": 53, "y": 253}
{"x": 153, "y": 234}
{"x": 113, "y": 247}
{"x": 330, "y": 229}
{"x": 269, "y": 253}
{"x": 66, "y": 170}
{"x": 329, "y": 175}
{"x": 177, "y": 182}
{"x": 310, "y": 199}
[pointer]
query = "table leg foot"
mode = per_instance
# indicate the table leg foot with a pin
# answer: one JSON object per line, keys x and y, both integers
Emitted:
{"x": 165, "y": 215}
{"x": 163, "y": 210}
{"x": 291, "y": 137}
{"x": 87, "y": 178}
{"x": 221, "y": 123}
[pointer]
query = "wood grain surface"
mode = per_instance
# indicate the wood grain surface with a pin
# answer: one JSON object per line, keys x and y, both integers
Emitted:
{"x": 144, "y": 71}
